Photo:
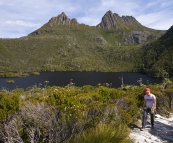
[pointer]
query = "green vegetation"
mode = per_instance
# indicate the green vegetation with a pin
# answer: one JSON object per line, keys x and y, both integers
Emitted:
{"x": 156, "y": 58}
{"x": 9, "y": 103}
{"x": 75, "y": 48}
{"x": 10, "y": 81}
{"x": 35, "y": 73}
{"x": 76, "y": 114}
{"x": 106, "y": 133}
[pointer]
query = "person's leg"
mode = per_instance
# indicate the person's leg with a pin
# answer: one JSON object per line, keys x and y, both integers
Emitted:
{"x": 152, "y": 119}
{"x": 144, "y": 118}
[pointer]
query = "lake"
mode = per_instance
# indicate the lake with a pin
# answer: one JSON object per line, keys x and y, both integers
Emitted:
{"x": 79, "y": 78}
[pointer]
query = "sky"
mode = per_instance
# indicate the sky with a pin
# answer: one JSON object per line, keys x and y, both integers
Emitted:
{"x": 21, "y": 17}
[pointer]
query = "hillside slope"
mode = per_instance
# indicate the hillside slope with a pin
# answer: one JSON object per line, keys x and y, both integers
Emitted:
{"x": 157, "y": 56}
{"x": 62, "y": 44}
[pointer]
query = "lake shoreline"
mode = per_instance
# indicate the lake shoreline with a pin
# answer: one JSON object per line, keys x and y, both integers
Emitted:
{"x": 114, "y": 79}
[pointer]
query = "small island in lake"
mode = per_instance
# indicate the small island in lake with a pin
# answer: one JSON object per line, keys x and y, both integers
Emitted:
{"x": 10, "y": 81}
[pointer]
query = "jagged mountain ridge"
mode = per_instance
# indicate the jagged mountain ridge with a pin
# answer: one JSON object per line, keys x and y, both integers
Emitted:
{"x": 62, "y": 19}
{"x": 109, "y": 21}
{"x": 114, "y": 21}
{"x": 134, "y": 32}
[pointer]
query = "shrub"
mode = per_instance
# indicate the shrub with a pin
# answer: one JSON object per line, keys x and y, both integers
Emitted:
{"x": 9, "y": 103}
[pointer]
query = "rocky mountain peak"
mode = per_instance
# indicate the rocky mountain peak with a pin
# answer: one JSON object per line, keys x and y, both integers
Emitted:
{"x": 114, "y": 21}
{"x": 62, "y": 19}
{"x": 129, "y": 18}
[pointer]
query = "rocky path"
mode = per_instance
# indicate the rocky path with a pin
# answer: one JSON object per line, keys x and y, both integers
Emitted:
{"x": 162, "y": 133}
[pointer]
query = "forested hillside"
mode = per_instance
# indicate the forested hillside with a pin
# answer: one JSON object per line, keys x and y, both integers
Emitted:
{"x": 157, "y": 57}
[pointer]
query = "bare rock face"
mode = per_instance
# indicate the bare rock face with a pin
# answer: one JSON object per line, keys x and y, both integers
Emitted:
{"x": 74, "y": 21}
{"x": 62, "y": 19}
{"x": 114, "y": 21}
{"x": 135, "y": 37}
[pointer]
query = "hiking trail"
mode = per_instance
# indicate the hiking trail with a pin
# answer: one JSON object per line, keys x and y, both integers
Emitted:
{"x": 162, "y": 132}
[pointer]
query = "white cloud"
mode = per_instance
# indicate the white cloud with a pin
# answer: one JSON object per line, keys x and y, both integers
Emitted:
{"x": 89, "y": 21}
{"x": 125, "y": 7}
{"x": 146, "y": 19}
{"x": 22, "y": 23}
{"x": 166, "y": 3}
{"x": 163, "y": 25}
{"x": 32, "y": 14}
{"x": 157, "y": 18}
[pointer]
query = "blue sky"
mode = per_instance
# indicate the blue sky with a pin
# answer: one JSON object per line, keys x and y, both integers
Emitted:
{"x": 20, "y": 17}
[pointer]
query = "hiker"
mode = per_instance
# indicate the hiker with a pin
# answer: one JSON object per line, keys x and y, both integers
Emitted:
{"x": 149, "y": 107}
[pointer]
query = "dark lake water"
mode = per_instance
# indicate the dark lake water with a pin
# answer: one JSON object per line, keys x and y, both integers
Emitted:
{"x": 79, "y": 78}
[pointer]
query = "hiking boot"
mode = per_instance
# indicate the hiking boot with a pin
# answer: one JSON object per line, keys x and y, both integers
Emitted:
{"x": 142, "y": 129}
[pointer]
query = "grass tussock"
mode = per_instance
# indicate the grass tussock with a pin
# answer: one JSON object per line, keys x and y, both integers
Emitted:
{"x": 106, "y": 133}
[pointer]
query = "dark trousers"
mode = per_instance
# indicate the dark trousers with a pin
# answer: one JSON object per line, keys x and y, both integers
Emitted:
{"x": 144, "y": 118}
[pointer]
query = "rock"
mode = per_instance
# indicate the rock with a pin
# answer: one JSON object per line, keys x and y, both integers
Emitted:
{"x": 74, "y": 21}
{"x": 116, "y": 43}
{"x": 135, "y": 37}
{"x": 114, "y": 21}
{"x": 62, "y": 19}
{"x": 101, "y": 40}
{"x": 162, "y": 133}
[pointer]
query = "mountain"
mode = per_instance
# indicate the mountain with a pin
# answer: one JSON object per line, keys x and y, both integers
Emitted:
{"x": 157, "y": 56}
{"x": 114, "y": 21}
{"x": 63, "y": 44}
{"x": 61, "y": 19}
{"x": 133, "y": 32}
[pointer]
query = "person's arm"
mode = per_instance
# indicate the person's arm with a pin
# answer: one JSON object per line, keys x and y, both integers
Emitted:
{"x": 144, "y": 104}
{"x": 154, "y": 106}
